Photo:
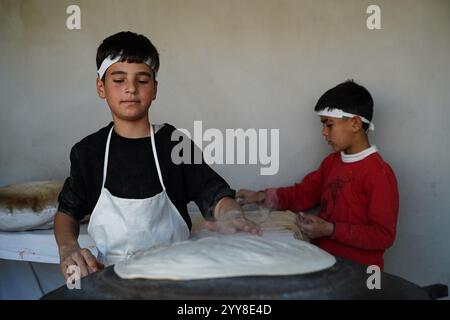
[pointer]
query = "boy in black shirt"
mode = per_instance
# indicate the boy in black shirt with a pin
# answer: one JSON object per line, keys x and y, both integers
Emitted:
{"x": 123, "y": 175}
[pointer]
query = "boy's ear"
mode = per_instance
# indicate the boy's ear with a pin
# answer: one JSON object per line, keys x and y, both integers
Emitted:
{"x": 156, "y": 90}
{"x": 356, "y": 124}
{"x": 100, "y": 88}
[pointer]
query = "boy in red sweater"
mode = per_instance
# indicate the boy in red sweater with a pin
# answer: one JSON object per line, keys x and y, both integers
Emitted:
{"x": 355, "y": 188}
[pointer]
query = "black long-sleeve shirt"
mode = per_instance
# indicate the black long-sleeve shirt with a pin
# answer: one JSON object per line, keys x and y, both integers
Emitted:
{"x": 132, "y": 174}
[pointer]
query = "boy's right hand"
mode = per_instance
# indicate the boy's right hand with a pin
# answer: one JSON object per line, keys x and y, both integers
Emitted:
{"x": 81, "y": 257}
{"x": 244, "y": 196}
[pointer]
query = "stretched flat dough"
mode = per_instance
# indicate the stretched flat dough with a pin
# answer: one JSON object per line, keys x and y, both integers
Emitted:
{"x": 222, "y": 256}
{"x": 267, "y": 221}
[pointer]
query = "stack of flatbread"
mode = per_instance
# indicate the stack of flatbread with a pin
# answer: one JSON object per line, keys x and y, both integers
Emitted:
{"x": 28, "y": 206}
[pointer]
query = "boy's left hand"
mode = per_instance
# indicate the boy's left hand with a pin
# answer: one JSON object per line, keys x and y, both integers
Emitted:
{"x": 230, "y": 218}
{"x": 232, "y": 222}
{"x": 313, "y": 226}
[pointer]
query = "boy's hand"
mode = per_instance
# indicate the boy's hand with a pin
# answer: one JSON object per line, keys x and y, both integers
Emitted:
{"x": 231, "y": 222}
{"x": 229, "y": 218}
{"x": 244, "y": 196}
{"x": 81, "y": 257}
{"x": 313, "y": 226}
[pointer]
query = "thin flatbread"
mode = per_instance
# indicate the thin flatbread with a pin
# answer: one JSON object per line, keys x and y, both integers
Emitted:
{"x": 221, "y": 256}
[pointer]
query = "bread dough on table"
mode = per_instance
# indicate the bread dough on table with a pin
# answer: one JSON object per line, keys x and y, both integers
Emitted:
{"x": 29, "y": 206}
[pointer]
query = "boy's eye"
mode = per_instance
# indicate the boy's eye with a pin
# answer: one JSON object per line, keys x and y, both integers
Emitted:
{"x": 143, "y": 81}
{"x": 117, "y": 80}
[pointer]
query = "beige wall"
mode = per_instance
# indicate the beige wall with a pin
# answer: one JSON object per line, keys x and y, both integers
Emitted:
{"x": 249, "y": 64}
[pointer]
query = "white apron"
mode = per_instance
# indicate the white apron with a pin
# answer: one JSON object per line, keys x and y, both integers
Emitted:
{"x": 122, "y": 227}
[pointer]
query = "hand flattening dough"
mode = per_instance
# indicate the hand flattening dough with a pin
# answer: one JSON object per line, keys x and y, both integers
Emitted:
{"x": 273, "y": 221}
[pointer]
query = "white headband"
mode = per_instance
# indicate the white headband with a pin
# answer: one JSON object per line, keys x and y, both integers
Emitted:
{"x": 338, "y": 113}
{"x": 108, "y": 62}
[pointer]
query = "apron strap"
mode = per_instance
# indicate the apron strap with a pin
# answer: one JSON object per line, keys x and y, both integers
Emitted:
{"x": 155, "y": 155}
{"x": 105, "y": 163}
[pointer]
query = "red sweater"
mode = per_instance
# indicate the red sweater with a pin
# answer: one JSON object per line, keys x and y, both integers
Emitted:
{"x": 360, "y": 198}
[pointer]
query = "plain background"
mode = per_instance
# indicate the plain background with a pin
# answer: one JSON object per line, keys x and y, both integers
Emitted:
{"x": 247, "y": 64}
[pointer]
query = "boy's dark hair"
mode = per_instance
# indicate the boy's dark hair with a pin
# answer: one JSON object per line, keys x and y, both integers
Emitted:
{"x": 135, "y": 48}
{"x": 349, "y": 97}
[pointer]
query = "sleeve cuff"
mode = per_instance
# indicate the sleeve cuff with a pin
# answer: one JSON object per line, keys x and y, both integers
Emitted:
{"x": 79, "y": 217}
{"x": 271, "y": 200}
{"x": 338, "y": 231}
{"x": 209, "y": 211}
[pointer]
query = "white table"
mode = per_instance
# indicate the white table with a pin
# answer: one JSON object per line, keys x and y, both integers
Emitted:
{"x": 29, "y": 262}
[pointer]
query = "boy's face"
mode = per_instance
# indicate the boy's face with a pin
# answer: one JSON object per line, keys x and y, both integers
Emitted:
{"x": 129, "y": 90}
{"x": 338, "y": 132}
